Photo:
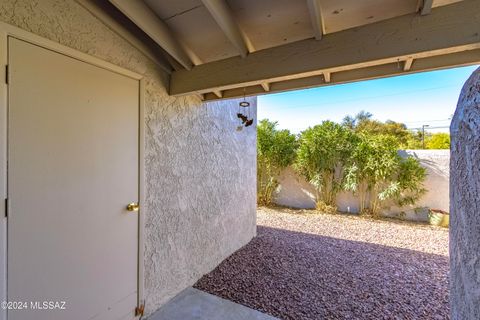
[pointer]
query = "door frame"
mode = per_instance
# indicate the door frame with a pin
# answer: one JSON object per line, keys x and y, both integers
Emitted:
{"x": 7, "y": 31}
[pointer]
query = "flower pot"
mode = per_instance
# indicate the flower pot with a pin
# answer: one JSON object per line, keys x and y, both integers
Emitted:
{"x": 438, "y": 218}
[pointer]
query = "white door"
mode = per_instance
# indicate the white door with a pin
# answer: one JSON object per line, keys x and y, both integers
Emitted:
{"x": 73, "y": 162}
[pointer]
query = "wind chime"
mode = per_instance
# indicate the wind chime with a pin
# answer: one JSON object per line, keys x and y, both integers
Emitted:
{"x": 244, "y": 113}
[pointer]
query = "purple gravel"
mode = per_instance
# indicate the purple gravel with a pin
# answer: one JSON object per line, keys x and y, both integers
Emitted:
{"x": 295, "y": 275}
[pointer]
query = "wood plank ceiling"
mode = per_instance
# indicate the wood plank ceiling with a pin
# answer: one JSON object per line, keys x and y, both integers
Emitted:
{"x": 202, "y": 36}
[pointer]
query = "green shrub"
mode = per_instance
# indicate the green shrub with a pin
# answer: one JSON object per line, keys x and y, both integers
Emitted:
{"x": 275, "y": 151}
{"x": 410, "y": 179}
{"x": 322, "y": 153}
{"x": 360, "y": 156}
{"x": 377, "y": 174}
{"x": 439, "y": 140}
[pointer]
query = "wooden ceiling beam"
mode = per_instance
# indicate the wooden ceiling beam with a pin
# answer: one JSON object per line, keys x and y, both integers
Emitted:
{"x": 154, "y": 27}
{"x": 316, "y": 17}
{"x": 407, "y": 65}
{"x": 463, "y": 58}
{"x": 449, "y": 29}
{"x": 218, "y": 93}
{"x": 327, "y": 77}
{"x": 99, "y": 11}
{"x": 222, "y": 14}
{"x": 426, "y": 7}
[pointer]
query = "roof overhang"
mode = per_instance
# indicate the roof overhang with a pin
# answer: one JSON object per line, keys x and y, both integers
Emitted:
{"x": 222, "y": 49}
{"x": 448, "y": 37}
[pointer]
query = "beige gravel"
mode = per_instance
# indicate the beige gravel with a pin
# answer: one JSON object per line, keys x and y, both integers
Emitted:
{"x": 392, "y": 233}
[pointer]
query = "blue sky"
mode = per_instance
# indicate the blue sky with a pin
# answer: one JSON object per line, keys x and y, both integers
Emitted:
{"x": 426, "y": 98}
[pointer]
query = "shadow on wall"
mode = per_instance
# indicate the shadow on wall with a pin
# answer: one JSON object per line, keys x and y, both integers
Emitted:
{"x": 436, "y": 161}
{"x": 295, "y": 192}
{"x": 295, "y": 275}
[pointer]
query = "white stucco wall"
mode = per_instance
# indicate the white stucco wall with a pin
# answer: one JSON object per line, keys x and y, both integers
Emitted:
{"x": 465, "y": 206}
{"x": 295, "y": 192}
{"x": 200, "y": 172}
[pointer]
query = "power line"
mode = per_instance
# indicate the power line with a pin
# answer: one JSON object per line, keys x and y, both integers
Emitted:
{"x": 428, "y": 128}
{"x": 422, "y": 121}
{"x": 368, "y": 98}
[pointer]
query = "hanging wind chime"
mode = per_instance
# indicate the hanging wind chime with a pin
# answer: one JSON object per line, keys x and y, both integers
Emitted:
{"x": 244, "y": 113}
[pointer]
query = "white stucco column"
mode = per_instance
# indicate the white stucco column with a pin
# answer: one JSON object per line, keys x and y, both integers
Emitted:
{"x": 465, "y": 203}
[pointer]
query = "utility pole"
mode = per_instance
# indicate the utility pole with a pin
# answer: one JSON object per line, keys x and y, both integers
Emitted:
{"x": 423, "y": 134}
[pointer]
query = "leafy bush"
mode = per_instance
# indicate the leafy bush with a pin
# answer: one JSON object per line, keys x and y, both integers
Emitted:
{"x": 439, "y": 140}
{"x": 360, "y": 156}
{"x": 376, "y": 174}
{"x": 410, "y": 180}
{"x": 323, "y": 151}
{"x": 414, "y": 141}
{"x": 275, "y": 151}
{"x": 370, "y": 171}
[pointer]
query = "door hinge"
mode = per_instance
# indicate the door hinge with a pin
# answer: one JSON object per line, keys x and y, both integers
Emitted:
{"x": 139, "y": 310}
{"x": 6, "y": 207}
{"x": 6, "y": 74}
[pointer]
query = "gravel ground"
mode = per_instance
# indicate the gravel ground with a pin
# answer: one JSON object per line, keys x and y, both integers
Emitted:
{"x": 318, "y": 266}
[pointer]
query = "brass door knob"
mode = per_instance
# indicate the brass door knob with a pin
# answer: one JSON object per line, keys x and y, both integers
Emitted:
{"x": 133, "y": 206}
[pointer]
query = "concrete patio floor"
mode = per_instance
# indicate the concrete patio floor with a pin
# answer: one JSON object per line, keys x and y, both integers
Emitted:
{"x": 194, "y": 304}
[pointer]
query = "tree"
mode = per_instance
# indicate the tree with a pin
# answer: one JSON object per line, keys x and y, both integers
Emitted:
{"x": 363, "y": 123}
{"x": 349, "y": 122}
{"x": 352, "y": 122}
{"x": 323, "y": 151}
{"x": 275, "y": 151}
{"x": 439, "y": 140}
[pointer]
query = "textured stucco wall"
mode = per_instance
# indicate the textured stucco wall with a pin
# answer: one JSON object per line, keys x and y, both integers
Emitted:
{"x": 200, "y": 172}
{"x": 295, "y": 192}
{"x": 465, "y": 204}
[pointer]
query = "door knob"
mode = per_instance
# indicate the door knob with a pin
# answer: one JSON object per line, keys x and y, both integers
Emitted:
{"x": 133, "y": 206}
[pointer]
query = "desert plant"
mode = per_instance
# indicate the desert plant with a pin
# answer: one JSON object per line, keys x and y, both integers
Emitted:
{"x": 275, "y": 151}
{"x": 410, "y": 179}
{"x": 377, "y": 174}
{"x": 371, "y": 169}
{"x": 322, "y": 152}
